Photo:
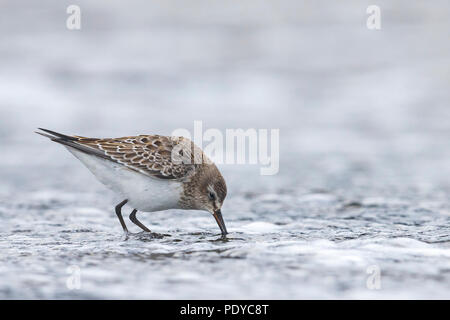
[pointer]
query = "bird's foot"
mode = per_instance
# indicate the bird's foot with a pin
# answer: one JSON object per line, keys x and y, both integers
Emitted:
{"x": 126, "y": 235}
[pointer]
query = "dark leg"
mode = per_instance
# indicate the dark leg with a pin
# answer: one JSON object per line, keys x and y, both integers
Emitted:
{"x": 119, "y": 214}
{"x": 137, "y": 222}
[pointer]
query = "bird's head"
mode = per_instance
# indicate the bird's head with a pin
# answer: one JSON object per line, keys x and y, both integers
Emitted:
{"x": 207, "y": 191}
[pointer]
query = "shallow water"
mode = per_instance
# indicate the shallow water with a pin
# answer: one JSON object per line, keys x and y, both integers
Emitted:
{"x": 283, "y": 243}
{"x": 364, "y": 147}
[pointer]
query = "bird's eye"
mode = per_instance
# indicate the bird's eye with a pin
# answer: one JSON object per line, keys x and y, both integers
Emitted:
{"x": 211, "y": 196}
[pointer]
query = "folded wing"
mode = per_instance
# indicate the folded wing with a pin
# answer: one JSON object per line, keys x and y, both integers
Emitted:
{"x": 153, "y": 155}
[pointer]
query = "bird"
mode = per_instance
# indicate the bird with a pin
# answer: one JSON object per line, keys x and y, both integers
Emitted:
{"x": 151, "y": 173}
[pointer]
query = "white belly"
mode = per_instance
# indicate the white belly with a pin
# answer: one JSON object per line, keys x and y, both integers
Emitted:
{"x": 143, "y": 193}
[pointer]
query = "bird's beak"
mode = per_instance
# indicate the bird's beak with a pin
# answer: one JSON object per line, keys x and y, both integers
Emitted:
{"x": 218, "y": 216}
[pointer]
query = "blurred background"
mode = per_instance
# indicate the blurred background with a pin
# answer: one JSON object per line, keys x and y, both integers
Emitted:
{"x": 364, "y": 143}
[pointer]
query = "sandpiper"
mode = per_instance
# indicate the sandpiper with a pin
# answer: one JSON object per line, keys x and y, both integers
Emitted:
{"x": 151, "y": 172}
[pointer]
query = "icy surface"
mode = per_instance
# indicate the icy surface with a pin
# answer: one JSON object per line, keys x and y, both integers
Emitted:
{"x": 364, "y": 148}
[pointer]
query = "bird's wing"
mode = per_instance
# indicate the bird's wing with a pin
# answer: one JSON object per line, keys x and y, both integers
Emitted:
{"x": 174, "y": 158}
